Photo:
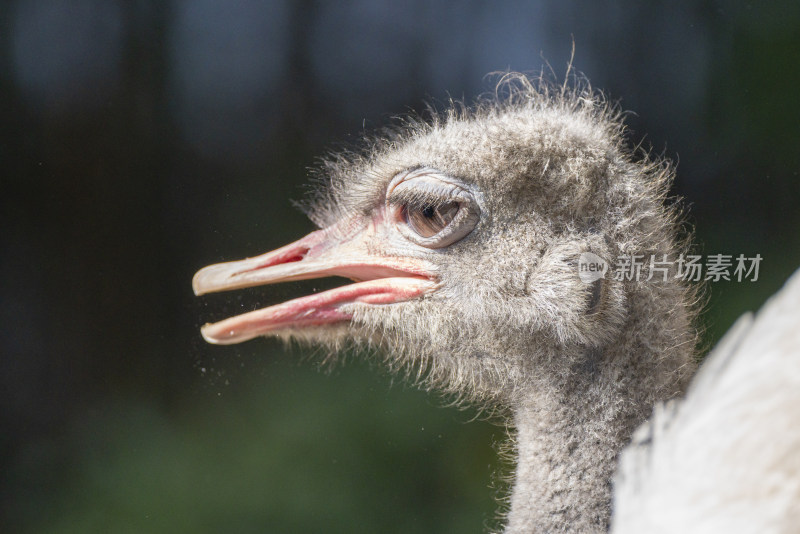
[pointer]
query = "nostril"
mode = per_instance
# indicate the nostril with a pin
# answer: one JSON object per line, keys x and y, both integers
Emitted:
{"x": 292, "y": 255}
{"x": 297, "y": 257}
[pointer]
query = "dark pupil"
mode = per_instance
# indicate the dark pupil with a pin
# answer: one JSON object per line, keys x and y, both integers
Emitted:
{"x": 427, "y": 221}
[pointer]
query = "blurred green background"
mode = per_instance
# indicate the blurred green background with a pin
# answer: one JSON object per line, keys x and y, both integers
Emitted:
{"x": 142, "y": 140}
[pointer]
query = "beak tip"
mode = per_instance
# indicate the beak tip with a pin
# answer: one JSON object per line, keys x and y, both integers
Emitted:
{"x": 200, "y": 282}
{"x": 216, "y": 334}
{"x": 207, "y": 336}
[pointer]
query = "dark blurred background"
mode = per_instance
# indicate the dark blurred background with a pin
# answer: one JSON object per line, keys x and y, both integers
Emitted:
{"x": 142, "y": 140}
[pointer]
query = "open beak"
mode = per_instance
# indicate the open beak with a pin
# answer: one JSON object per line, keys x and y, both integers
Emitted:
{"x": 380, "y": 279}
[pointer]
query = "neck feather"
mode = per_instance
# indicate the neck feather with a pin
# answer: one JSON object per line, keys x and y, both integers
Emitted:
{"x": 572, "y": 420}
{"x": 568, "y": 433}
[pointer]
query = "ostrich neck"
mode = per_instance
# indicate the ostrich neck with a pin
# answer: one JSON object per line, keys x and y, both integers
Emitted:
{"x": 567, "y": 439}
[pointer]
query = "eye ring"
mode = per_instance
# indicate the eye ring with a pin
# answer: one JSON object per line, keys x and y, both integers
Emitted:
{"x": 432, "y": 209}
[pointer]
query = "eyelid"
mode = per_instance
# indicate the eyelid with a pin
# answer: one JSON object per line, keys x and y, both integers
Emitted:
{"x": 429, "y": 185}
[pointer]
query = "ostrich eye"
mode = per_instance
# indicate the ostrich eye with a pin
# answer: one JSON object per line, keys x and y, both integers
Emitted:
{"x": 432, "y": 209}
{"x": 429, "y": 220}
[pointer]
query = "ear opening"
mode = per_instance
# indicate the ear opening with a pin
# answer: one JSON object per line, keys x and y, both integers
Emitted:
{"x": 596, "y": 293}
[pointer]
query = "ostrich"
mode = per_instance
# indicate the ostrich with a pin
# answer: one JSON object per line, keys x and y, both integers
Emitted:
{"x": 464, "y": 235}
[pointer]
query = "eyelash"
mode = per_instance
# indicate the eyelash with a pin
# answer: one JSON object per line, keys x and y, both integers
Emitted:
{"x": 418, "y": 199}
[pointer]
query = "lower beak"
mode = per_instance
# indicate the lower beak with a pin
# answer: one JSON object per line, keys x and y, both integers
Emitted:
{"x": 381, "y": 280}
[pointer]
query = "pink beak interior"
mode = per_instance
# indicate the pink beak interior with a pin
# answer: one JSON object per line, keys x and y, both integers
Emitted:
{"x": 380, "y": 280}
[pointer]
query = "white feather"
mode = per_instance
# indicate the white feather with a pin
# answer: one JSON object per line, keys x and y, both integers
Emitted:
{"x": 727, "y": 458}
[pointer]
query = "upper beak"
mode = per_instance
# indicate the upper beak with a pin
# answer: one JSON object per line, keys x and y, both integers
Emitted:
{"x": 381, "y": 279}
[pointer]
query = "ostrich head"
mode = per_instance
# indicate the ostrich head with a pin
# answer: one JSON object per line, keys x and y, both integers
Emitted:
{"x": 464, "y": 234}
